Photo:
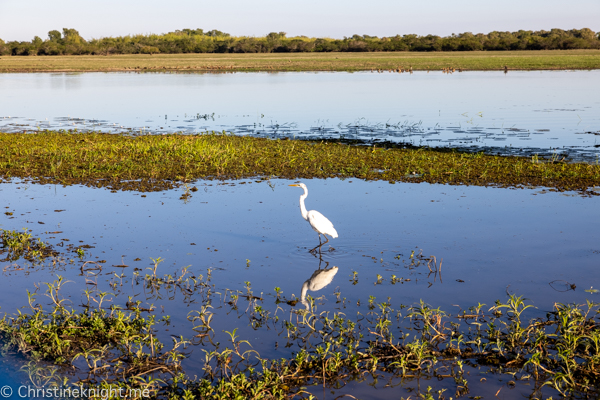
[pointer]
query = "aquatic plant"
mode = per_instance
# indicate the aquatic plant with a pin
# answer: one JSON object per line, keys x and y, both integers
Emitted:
{"x": 157, "y": 162}
{"x": 108, "y": 347}
{"x": 22, "y": 244}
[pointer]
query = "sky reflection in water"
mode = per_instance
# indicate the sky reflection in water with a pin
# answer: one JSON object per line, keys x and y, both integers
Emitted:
{"x": 492, "y": 239}
{"x": 539, "y": 110}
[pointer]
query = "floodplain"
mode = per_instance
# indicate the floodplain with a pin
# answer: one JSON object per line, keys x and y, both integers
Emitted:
{"x": 142, "y": 250}
{"x": 282, "y": 62}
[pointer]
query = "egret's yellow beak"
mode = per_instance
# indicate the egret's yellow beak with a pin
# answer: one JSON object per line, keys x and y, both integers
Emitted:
{"x": 294, "y": 185}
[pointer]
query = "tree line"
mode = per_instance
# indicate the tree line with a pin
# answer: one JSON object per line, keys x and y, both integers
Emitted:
{"x": 70, "y": 42}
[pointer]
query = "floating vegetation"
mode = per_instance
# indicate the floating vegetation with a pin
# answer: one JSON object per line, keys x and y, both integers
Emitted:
{"x": 153, "y": 162}
{"x": 404, "y": 134}
{"x": 17, "y": 245}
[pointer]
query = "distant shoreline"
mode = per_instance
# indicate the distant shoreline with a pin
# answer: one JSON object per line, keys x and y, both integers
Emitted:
{"x": 523, "y": 60}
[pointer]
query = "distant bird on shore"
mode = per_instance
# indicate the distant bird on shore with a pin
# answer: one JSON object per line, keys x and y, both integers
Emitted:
{"x": 317, "y": 221}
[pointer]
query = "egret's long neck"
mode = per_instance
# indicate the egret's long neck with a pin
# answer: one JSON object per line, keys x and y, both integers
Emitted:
{"x": 302, "y": 206}
{"x": 303, "y": 295}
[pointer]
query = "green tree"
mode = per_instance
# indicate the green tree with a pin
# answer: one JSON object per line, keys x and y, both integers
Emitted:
{"x": 276, "y": 36}
{"x": 216, "y": 33}
{"x": 54, "y": 36}
{"x": 324, "y": 45}
{"x": 71, "y": 36}
{"x": 69, "y": 41}
{"x": 193, "y": 32}
{"x": 585, "y": 33}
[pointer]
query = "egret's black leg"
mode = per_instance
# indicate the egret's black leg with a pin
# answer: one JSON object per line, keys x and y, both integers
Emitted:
{"x": 320, "y": 243}
{"x": 315, "y": 248}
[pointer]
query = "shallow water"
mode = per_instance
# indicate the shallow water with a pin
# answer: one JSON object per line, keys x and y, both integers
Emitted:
{"x": 494, "y": 240}
{"x": 529, "y": 242}
{"x": 490, "y": 238}
{"x": 516, "y": 113}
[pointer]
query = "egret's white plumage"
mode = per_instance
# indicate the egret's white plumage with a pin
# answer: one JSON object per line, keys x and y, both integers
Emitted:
{"x": 319, "y": 279}
{"x": 317, "y": 221}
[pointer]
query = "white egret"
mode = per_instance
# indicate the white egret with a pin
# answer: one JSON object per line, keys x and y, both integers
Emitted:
{"x": 319, "y": 279}
{"x": 317, "y": 221}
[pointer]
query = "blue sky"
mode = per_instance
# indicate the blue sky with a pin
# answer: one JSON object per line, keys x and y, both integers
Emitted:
{"x": 24, "y": 19}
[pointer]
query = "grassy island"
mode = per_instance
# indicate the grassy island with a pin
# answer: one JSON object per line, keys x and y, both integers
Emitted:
{"x": 155, "y": 162}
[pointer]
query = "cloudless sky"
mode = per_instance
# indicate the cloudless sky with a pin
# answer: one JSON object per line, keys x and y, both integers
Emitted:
{"x": 24, "y": 19}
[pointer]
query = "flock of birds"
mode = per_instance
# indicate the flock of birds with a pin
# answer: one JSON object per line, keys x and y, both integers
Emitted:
{"x": 320, "y": 224}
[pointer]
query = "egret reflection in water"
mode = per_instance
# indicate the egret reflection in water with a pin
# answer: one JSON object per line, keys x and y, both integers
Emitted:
{"x": 318, "y": 280}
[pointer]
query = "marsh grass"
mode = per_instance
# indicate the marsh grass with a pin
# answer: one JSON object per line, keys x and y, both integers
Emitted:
{"x": 107, "y": 346}
{"x": 102, "y": 343}
{"x": 271, "y": 62}
{"x": 157, "y": 162}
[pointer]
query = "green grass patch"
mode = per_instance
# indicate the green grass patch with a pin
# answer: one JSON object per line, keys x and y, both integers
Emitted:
{"x": 388, "y": 61}
{"x": 157, "y": 162}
